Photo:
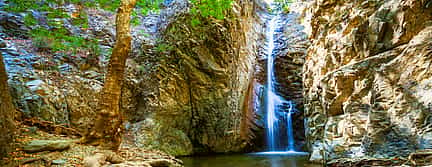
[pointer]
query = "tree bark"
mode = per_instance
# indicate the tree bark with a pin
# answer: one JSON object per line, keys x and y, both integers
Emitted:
{"x": 7, "y": 111}
{"x": 108, "y": 128}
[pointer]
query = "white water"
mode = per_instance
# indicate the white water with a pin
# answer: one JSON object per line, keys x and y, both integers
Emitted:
{"x": 277, "y": 108}
{"x": 289, "y": 130}
{"x": 272, "y": 99}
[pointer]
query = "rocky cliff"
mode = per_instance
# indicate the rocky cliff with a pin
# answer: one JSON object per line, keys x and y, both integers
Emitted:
{"x": 186, "y": 91}
{"x": 186, "y": 84}
{"x": 366, "y": 84}
{"x": 367, "y": 78}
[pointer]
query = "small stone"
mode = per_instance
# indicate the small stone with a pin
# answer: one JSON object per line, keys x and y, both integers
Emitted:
{"x": 58, "y": 162}
{"x": 2, "y": 44}
{"x": 34, "y": 84}
{"x": 159, "y": 163}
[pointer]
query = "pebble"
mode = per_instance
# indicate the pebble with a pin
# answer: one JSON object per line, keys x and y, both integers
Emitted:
{"x": 58, "y": 162}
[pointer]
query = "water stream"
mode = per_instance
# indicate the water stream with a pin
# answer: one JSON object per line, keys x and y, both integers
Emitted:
{"x": 248, "y": 160}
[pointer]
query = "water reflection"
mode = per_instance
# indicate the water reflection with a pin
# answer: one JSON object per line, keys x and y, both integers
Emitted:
{"x": 248, "y": 160}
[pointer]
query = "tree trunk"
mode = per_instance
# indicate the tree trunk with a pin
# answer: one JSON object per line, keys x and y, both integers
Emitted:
{"x": 7, "y": 111}
{"x": 108, "y": 128}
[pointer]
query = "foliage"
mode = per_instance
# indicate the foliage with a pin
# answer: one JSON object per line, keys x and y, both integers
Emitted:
{"x": 20, "y": 5}
{"x": 209, "y": 8}
{"x": 284, "y": 5}
{"x": 57, "y": 38}
{"x": 110, "y": 5}
{"x": 29, "y": 20}
{"x": 283, "y": 2}
{"x": 286, "y": 9}
{"x": 81, "y": 20}
{"x": 60, "y": 40}
{"x": 163, "y": 47}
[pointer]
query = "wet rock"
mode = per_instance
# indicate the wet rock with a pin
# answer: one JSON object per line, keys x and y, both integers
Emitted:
{"x": 159, "y": 163}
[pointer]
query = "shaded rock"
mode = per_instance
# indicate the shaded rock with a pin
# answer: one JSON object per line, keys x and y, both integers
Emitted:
{"x": 421, "y": 158}
{"x": 365, "y": 78}
{"x": 13, "y": 24}
{"x": 189, "y": 97}
{"x": 47, "y": 145}
{"x": 159, "y": 163}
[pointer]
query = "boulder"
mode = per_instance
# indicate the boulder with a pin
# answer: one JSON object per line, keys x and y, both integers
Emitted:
{"x": 47, "y": 145}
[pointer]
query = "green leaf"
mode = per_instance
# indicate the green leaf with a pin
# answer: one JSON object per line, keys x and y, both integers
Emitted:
{"x": 195, "y": 22}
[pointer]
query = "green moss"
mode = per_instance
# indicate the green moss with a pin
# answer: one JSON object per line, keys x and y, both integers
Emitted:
{"x": 29, "y": 20}
{"x": 60, "y": 40}
{"x": 209, "y": 8}
{"x": 81, "y": 20}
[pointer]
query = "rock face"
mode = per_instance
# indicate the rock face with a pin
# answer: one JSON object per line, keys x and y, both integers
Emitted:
{"x": 185, "y": 84}
{"x": 51, "y": 86}
{"x": 186, "y": 91}
{"x": 367, "y": 78}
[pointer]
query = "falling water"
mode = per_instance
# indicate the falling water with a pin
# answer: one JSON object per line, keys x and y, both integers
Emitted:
{"x": 271, "y": 97}
{"x": 277, "y": 108}
{"x": 289, "y": 129}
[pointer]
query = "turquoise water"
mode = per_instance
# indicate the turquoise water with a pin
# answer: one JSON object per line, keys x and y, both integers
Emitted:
{"x": 249, "y": 160}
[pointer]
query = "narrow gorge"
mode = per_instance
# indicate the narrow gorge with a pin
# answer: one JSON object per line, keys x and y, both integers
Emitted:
{"x": 216, "y": 83}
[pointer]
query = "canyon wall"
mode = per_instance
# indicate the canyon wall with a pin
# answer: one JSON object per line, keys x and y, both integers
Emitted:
{"x": 186, "y": 85}
{"x": 186, "y": 93}
{"x": 368, "y": 79}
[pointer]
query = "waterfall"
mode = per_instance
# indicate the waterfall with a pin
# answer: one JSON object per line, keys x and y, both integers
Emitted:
{"x": 290, "y": 135}
{"x": 277, "y": 108}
